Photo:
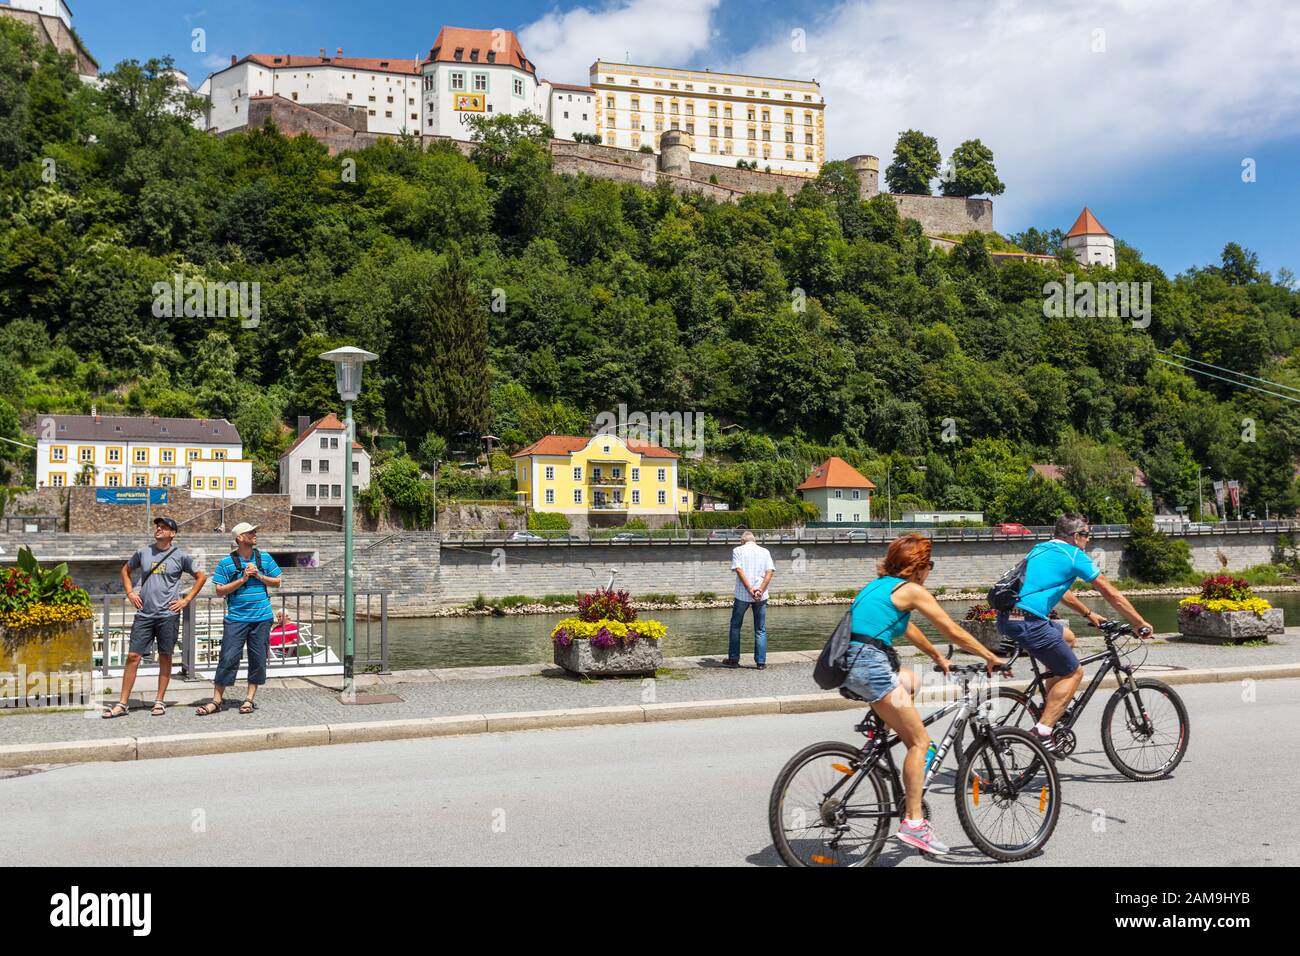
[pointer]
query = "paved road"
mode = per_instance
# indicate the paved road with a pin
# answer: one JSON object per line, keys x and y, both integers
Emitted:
{"x": 684, "y": 793}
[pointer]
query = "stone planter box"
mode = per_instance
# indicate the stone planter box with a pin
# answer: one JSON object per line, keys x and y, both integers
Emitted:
{"x": 48, "y": 661}
{"x": 1230, "y": 625}
{"x": 986, "y": 632}
{"x": 579, "y": 657}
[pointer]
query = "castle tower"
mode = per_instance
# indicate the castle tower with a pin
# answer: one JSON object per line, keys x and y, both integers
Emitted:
{"x": 868, "y": 168}
{"x": 675, "y": 153}
{"x": 1090, "y": 242}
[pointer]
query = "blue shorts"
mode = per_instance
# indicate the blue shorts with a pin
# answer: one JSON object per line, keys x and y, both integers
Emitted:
{"x": 870, "y": 675}
{"x": 1041, "y": 639}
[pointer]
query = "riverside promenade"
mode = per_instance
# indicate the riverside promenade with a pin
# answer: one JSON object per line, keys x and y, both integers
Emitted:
{"x": 305, "y": 712}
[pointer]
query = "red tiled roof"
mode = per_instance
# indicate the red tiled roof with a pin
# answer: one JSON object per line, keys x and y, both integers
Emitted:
{"x": 835, "y": 472}
{"x": 329, "y": 422}
{"x": 1086, "y": 225}
{"x": 285, "y": 61}
{"x": 568, "y": 444}
{"x": 500, "y": 47}
{"x": 1050, "y": 472}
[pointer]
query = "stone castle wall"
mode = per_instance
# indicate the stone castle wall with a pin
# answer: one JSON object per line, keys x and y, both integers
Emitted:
{"x": 79, "y": 513}
{"x": 325, "y": 122}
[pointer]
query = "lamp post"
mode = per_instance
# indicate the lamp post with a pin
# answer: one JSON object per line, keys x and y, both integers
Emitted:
{"x": 348, "y": 365}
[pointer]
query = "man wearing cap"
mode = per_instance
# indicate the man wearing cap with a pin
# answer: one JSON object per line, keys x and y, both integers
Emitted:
{"x": 242, "y": 578}
{"x": 157, "y": 608}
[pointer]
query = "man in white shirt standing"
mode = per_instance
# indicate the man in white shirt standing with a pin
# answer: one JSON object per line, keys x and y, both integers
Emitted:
{"x": 753, "y": 566}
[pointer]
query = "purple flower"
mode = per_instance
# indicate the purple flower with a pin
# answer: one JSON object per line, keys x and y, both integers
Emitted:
{"x": 564, "y": 637}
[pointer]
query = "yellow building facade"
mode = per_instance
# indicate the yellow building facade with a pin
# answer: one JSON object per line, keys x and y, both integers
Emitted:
{"x": 606, "y": 478}
{"x": 778, "y": 123}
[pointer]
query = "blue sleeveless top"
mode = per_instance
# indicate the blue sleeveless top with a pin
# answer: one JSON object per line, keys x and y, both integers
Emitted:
{"x": 874, "y": 614}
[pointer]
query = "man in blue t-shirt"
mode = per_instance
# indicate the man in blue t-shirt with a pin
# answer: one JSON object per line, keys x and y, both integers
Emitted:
{"x": 242, "y": 578}
{"x": 1051, "y": 568}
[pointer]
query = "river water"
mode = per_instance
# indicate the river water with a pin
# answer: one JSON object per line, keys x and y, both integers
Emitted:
{"x": 525, "y": 638}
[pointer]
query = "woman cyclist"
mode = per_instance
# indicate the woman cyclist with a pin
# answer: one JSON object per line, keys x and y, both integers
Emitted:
{"x": 881, "y": 613}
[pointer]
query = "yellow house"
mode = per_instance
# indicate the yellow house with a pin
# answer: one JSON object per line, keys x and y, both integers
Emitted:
{"x": 606, "y": 478}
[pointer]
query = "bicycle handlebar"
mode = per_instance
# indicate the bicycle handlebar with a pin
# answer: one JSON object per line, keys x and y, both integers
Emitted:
{"x": 1117, "y": 629}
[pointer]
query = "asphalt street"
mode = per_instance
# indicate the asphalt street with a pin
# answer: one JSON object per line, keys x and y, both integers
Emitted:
{"x": 690, "y": 793}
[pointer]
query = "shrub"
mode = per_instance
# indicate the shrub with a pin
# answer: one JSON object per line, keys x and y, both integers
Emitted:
{"x": 1154, "y": 556}
{"x": 31, "y": 595}
{"x": 705, "y": 596}
{"x": 547, "y": 521}
{"x": 846, "y": 593}
{"x": 980, "y": 612}
{"x": 660, "y": 598}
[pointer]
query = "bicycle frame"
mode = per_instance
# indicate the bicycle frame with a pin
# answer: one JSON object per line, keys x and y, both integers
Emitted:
{"x": 881, "y": 741}
{"x": 1110, "y": 662}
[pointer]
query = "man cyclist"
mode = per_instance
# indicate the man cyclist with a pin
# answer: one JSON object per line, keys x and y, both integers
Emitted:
{"x": 1051, "y": 567}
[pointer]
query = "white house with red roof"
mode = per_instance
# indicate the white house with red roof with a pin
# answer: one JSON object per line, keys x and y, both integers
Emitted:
{"x": 312, "y": 471}
{"x": 603, "y": 479}
{"x": 475, "y": 73}
{"x": 1091, "y": 244}
{"x": 388, "y": 89}
{"x": 840, "y": 492}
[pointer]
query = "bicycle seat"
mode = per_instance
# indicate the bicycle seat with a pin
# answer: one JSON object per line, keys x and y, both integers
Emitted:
{"x": 849, "y": 695}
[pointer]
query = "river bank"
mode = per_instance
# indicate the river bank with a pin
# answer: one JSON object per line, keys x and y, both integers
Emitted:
{"x": 503, "y": 607}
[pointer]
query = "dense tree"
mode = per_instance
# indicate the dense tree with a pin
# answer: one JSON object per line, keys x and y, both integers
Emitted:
{"x": 915, "y": 164}
{"x": 971, "y": 172}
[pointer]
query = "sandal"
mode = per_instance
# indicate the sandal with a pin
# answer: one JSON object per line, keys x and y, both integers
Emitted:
{"x": 211, "y": 707}
{"x": 118, "y": 709}
{"x": 247, "y": 707}
{"x": 159, "y": 708}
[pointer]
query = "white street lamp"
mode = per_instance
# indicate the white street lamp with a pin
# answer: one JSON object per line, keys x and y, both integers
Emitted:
{"x": 348, "y": 365}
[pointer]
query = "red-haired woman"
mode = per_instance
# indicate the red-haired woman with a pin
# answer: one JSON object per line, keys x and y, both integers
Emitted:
{"x": 882, "y": 613}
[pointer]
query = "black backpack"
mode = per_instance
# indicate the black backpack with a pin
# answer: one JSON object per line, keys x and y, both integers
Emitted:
{"x": 1006, "y": 590}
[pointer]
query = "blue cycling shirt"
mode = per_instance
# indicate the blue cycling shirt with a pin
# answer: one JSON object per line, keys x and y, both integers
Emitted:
{"x": 1052, "y": 567}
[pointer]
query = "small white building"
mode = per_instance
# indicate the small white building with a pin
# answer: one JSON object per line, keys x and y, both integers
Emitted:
{"x": 109, "y": 451}
{"x": 1091, "y": 244}
{"x": 475, "y": 73}
{"x": 568, "y": 108}
{"x": 312, "y": 470}
{"x": 939, "y": 517}
{"x": 387, "y": 89}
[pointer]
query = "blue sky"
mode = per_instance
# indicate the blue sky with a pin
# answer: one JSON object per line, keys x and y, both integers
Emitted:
{"x": 1144, "y": 112}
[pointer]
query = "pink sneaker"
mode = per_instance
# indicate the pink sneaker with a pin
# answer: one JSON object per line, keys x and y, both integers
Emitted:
{"x": 922, "y": 837}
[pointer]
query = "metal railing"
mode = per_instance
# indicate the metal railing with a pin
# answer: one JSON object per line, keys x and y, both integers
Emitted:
{"x": 311, "y": 640}
{"x": 617, "y": 537}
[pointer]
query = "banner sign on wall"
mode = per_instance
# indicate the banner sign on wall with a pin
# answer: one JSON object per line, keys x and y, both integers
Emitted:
{"x": 470, "y": 102}
{"x": 130, "y": 496}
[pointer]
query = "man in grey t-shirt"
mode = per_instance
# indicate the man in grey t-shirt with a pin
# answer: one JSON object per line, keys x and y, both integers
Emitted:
{"x": 159, "y": 567}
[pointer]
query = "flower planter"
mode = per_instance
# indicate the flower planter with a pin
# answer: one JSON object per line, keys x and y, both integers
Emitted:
{"x": 46, "y": 661}
{"x": 580, "y": 657}
{"x": 1230, "y": 625}
{"x": 986, "y": 632}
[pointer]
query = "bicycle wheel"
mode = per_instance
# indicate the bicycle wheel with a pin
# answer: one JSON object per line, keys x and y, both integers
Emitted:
{"x": 1150, "y": 750}
{"x": 1012, "y": 708}
{"x": 1008, "y": 794}
{"x": 822, "y": 812}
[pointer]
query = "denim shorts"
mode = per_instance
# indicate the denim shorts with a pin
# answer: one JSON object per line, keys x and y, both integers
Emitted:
{"x": 870, "y": 675}
{"x": 146, "y": 631}
{"x": 1043, "y": 640}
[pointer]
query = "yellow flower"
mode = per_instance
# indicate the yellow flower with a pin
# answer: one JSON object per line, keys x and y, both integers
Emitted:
{"x": 1256, "y": 605}
{"x": 37, "y": 615}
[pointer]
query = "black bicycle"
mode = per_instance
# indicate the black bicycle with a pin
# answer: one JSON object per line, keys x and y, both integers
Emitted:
{"x": 833, "y": 803}
{"x": 1144, "y": 726}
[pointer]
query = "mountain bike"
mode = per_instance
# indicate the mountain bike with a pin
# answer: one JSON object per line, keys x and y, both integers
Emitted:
{"x": 833, "y": 803}
{"x": 1144, "y": 726}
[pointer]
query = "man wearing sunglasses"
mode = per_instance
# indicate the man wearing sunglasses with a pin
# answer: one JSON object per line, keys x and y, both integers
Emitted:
{"x": 1051, "y": 567}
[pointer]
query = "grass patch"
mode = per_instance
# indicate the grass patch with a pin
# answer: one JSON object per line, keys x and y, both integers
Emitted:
{"x": 705, "y": 596}
{"x": 553, "y": 599}
{"x": 660, "y": 598}
{"x": 846, "y": 593}
{"x": 814, "y": 595}
{"x": 672, "y": 673}
{"x": 1256, "y": 642}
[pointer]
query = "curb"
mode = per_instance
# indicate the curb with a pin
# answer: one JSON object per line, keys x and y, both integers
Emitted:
{"x": 242, "y": 741}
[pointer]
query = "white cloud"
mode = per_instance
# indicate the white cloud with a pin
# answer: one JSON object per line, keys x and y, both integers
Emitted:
{"x": 652, "y": 32}
{"x": 1022, "y": 75}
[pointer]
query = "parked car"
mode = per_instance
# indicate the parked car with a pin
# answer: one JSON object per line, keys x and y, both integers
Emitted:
{"x": 726, "y": 534}
{"x": 854, "y": 534}
{"x": 1010, "y": 527}
{"x": 631, "y": 536}
{"x": 525, "y": 536}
